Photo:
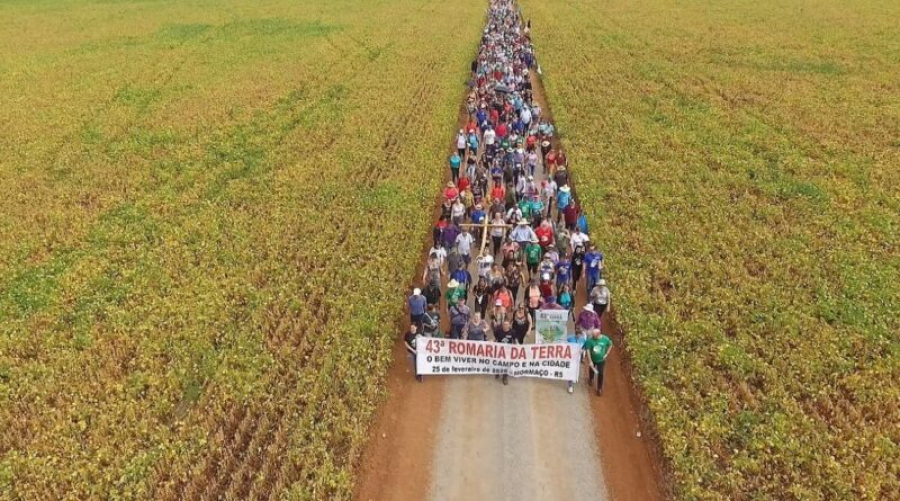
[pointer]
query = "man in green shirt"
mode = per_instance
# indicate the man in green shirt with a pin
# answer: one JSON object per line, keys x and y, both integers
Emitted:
{"x": 455, "y": 292}
{"x": 597, "y": 348}
{"x": 533, "y": 256}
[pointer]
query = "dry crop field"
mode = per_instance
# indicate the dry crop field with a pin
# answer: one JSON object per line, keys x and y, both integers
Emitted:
{"x": 741, "y": 162}
{"x": 204, "y": 211}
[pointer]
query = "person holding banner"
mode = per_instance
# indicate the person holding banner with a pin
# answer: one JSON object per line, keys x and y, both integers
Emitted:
{"x": 504, "y": 335}
{"x": 577, "y": 338}
{"x": 409, "y": 339}
{"x": 597, "y": 348}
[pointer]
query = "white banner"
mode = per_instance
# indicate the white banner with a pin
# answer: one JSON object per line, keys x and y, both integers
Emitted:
{"x": 447, "y": 357}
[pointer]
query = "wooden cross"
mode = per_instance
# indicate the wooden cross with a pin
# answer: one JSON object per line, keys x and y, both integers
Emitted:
{"x": 484, "y": 230}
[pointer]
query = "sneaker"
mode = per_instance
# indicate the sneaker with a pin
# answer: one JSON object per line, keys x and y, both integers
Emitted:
{"x": 571, "y": 390}
{"x": 505, "y": 381}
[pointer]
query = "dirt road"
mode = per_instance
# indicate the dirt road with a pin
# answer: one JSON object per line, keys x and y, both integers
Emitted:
{"x": 527, "y": 441}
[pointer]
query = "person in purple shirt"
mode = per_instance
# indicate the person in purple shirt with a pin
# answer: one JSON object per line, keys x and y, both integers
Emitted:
{"x": 448, "y": 237}
{"x": 588, "y": 319}
{"x": 417, "y": 304}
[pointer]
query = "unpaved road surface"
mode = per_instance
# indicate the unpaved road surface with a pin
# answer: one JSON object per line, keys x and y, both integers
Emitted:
{"x": 528, "y": 441}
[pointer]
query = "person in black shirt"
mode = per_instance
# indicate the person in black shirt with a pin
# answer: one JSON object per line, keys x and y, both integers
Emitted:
{"x": 504, "y": 334}
{"x": 409, "y": 339}
{"x": 577, "y": 266}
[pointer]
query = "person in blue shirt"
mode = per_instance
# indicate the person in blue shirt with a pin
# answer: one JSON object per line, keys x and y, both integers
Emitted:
{"x": 563, "y": 272}
{"x": 455, "y": 164}
{"x": 473, "y": 143}
{"x": 563, "y": 199}
{"x": 481, "y": 117}
{"x": 593, "y": 267}
{"x": 462, "y": 275}
{"x": 417, "y": 305}
{"x": 577, "y": 338}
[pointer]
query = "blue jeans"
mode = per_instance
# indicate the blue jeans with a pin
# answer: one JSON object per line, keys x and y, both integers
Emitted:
{"x": 456, "y": 331}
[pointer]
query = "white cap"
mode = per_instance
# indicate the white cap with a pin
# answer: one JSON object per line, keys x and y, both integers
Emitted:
{"x": 417, "y": 291}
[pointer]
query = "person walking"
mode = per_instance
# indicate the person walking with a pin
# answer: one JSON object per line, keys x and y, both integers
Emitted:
{"x": 521, "y": 324}
{"x": 600, "y": 298}
{"x": 481, "y": 295}
{"x": 476, "y": 329}
{"x": 587, "y": 320}
{"x": 577, "y": 338}
{"x": 455, "y": 164}
{"x": 417, "y": 304}
{"x": 593, "y": 261}
{"x": 504, "y": 334}
{"x": 597, "y": 348}
{"x": 431, "y": 322}
{"x": 459, "y": 317}
{"x": 409, "y": 340}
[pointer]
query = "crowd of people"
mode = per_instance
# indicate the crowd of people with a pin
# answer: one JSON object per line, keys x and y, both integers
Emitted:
{"x": 511, "y": 238}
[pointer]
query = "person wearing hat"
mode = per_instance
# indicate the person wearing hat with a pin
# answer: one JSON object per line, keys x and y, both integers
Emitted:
{"x": 587, "y": 319}
{"x": 451, "y": 192}
{"x": 455, "y": 292}
{"x": 600, "y": 298}
{"x": 459, "y": 317}
{"x": 561, "y": 176}
{"x": 597, "y": 347}
{"x": 409, "y": 341}
{"x": 533, "y": 253}
{"x": 563, "y": 199}
{"x": 523, "y": 234}
{"x": 462, "y": 276}
{"x": 417, "y": 304}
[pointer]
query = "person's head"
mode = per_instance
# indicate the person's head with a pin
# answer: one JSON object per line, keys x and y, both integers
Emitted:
{"x": 461, "y": 302}
{"x": 413, "y": 328}
{"x": 432, "y": 307}
{"x": 602, "y": 282}
{"x": 476, "y": 317}
{"x": 595, "y": 333}
{"x": 589, "y": 307}
{"x": 465, "y": 230}
{"x": 498, "y": 304}
{"x": 417, "y": 291}
{"x": 551, "y": 299}
{"x": 520, "y": 309}
{"x": 506, "y": 325}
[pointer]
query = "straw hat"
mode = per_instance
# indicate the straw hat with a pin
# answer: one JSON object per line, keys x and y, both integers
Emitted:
{"x": 565, "y": 188}
{"x": 453, "y": 283}
{"x": 589, "y": 307}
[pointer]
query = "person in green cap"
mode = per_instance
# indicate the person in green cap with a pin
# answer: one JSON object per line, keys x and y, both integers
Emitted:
{"x": 598, "y": 348}
{"x": 533, "y": 254}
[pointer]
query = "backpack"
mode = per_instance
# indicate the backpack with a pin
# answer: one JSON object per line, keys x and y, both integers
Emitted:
{"x": 583, "y": 224}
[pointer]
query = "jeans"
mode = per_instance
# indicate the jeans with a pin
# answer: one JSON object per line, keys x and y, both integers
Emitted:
{"x": 456, "y": 331}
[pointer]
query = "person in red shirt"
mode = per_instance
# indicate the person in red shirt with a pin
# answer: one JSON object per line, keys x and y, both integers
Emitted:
{"x": 501, "y": 131}
{"x": 546, "y": 287}
{"x": 451, "y": 191}
{"x": 495, "y": 116}
{"x": 545, "y": 235}
{"x": 498, "y": 192}
{"x": 561, "y": 159}
{"x": 551, "y": 162}
{"x": 463, "y": 184}
{"x": 472, "y": 127}
{"x": 570, "y": 215}
{"x": 530, "y": 143}
{"x": 504, "y": 297}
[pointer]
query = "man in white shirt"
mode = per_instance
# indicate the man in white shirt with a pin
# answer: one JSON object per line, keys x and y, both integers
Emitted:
{"x": 464, "y": 244}
{"x": 578, "y": 238}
